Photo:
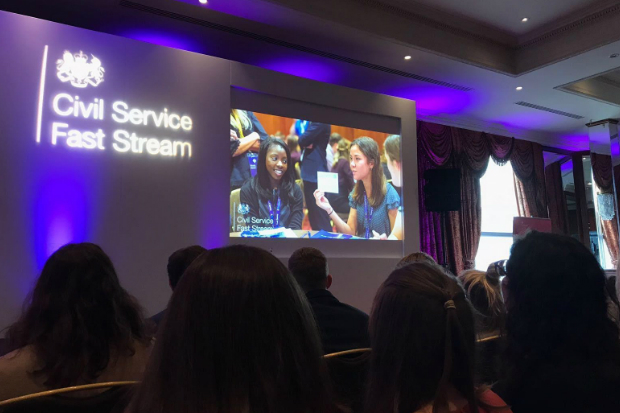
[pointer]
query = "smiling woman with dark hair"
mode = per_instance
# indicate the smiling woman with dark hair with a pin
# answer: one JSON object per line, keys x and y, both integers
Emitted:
{"x": 272, "y": 199}
{"x": 79, "y": 327}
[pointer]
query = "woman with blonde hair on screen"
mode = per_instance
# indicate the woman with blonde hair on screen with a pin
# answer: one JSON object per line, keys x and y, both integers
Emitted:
{"x": 373, "y": 203}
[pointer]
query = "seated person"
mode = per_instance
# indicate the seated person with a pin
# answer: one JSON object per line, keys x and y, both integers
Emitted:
{"x": 341, "y": 166}
{"x": 272, "y": 198}
{"x": 422, "y": 334}
{"x": 79, "y": 327}
{"x": 391, "y": 148}
{"x": 342, "y": 327}
{"x": 562, "y": 349}
{"x": 244, "y": 341}
{"x": 177, "y": 264}
{"x": 416, "y": 257}
{"x": 373, "y": 203}
{"x": 246, "y": 135}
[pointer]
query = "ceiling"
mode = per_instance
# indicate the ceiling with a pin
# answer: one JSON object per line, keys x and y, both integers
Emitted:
{"x": 506, "y": 15}
{"x": 465, "y": 65}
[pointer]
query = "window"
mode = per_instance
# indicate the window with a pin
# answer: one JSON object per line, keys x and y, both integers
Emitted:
{"x": 499, "y": 207}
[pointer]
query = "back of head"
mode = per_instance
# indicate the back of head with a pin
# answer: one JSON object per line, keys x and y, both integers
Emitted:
{"x": 423, "y": 337}
{"x": 392, "y": 147}
{"x": 309, "y": 267}
{"x": 180, "y": 260}
{"x": 556, "y": 302}
{"x": 292, "y": 141}
{"x": 334, "y": 138}
{"x": 416, "y": 257}
{"x": 485, "y": 294}
{"x": 78, "y": 317}
{"x": 243, "y": 340}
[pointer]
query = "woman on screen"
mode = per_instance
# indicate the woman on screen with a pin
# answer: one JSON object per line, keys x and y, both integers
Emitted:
{"x": 246, "y": 135}
{"x": 373, "y": 203}
{"x": 272, "y": 198}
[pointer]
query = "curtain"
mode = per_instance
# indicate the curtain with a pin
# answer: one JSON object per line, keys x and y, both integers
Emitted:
{"x": 447, "y": 147}
{"x": 556, "y": 199}
{"x": 603, "y": 176}
{"x": 528, "y": 165}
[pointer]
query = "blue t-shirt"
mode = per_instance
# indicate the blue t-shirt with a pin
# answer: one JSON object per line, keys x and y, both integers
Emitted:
{"x": 380, "y": 220}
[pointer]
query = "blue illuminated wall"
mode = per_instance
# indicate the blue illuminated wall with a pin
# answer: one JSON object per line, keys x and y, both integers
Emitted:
{"x": 139, "y": 207}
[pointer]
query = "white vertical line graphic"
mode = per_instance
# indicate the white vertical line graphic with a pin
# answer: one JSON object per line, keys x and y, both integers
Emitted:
{"x": 41, "y": 93}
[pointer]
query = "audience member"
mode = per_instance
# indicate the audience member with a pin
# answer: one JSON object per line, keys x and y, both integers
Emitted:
{"x": 293, "y": 147}
{"x": 342, "y": 327}
{"x": 423, "y": 339}
{"x": 245, "y": 341}
{"x": 79, "y": 326}
{"x": 391, "y": 148}
{"x": 416, "y": 257}
{"x": 177, "y": 264}
{"x": 313, "y": 139}
{"x": 484, "y": 292}
{"x": 331, "y": 149}
{"x": 563, "y": 352}
{"x": 342, "y": 166}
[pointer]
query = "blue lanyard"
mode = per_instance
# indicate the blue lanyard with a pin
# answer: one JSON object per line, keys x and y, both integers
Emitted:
{"x": 368, "y": 211}
{"x": 275, "y": 218}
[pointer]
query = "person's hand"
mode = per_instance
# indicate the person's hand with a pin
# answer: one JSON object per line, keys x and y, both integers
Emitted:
{"x": 376, "y": 235}
{"x": 233, "y": 136}
{"x": 322, "y": 201}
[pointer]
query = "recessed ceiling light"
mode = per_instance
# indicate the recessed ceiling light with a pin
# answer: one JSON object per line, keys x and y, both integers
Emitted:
{"x": 524, "y": 19}
{"x": 203, "y": 1}
{"x": 519, "y": 88}
{"x": 407, "y": 57}
{"x": 614, "y": 55}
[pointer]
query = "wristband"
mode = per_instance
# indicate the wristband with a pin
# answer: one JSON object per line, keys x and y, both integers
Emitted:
{"x": 331, "y": 212}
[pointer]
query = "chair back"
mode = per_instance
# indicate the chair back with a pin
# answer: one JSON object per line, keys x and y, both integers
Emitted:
{"x": 348, "y": 371}
{"x": 235, "y": 200}
{"x": 113, "y": 400}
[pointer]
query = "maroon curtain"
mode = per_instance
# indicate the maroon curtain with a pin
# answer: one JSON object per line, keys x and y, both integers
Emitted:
{"x": 529, "y": 168}
{"x": 556, "y": 198}
{"x": 446, "y": 147}
{"x": 603, "y": 176}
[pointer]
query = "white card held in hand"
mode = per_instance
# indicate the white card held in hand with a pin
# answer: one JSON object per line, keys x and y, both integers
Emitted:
{"x": 327, "y": 182}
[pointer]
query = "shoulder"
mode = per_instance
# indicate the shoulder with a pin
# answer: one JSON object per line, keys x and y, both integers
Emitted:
{"x": 491, "y": 399}
{"x": 392, "y": 199}
{"x": 352, "y": 202}
{"x": 297, "y": 193}
{"x": 247, "y": 189}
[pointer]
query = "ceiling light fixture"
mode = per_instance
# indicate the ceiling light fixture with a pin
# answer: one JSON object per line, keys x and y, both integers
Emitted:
{"x": 519, "y": 88}
{"x": 614, "y": 55}
{"x": 203, "y": 1}
{"x": 407, "y": 57}
{"x": 524, "y": 19}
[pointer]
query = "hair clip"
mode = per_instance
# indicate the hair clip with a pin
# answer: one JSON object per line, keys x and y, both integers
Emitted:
{"x": 449, "y": 304}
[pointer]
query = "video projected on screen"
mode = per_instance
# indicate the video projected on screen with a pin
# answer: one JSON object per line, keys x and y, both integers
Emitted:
{"x": 294, "y": 178}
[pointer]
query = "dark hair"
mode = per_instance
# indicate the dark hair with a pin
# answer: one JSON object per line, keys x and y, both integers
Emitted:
{"x": 78, "y": 317}
{"x": 309, "y": 267}
{"x": 260, "y": 183}
{"x": 392, "y": 147}
{"x": 180, "y": 260}
{"x": 484, "y": 292}
{"x": 557, "y": 310}
{"x": 334, "y": 138}
{"x": 370, "y": 149}
{"x": 245, "y": 340}
{"x": 416, "y": 257}
{"x": 423, "y": 339}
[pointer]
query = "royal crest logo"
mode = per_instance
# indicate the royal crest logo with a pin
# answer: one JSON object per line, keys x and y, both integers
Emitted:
{"x": 76, "y": 68}
{"x": 243, "y": 209}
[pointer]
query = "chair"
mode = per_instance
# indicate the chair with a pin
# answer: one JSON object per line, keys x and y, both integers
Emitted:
{"x": 235, "y": 200}
{"x": 348, "y": 371}
{"x": 54, "y": 401}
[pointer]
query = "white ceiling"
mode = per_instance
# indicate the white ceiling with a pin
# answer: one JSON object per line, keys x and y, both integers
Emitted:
{"x": 505, "y": 15}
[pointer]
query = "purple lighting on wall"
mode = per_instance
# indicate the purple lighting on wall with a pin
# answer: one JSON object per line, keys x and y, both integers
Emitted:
{"x": 166, "y": 39}
{"x": 60, "y": 215}
{"x": 307, "y": 68}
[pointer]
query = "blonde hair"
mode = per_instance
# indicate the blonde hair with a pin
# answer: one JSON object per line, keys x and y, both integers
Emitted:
{"x": 245, "y": 121}
{"x": 343, "y": 150}
{"x": 485, "y": 294}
